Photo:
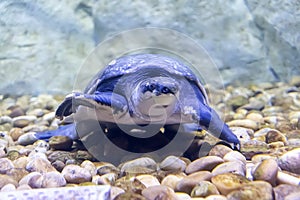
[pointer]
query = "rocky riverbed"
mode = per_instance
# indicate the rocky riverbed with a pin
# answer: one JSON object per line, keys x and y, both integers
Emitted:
{"x": 266, "y": 118}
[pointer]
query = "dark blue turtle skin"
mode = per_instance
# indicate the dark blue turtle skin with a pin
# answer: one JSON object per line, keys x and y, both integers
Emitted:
{"x": 129, "y": 85}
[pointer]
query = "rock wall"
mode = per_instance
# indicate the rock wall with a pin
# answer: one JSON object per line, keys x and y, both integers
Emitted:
{"x": 44, "y": 43}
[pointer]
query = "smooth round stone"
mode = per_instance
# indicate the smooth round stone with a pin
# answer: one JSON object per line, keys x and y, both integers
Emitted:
{"x": 33, "y": 179}
{"x": 228, "y": 182}
{"x": 293, "y": 196}
{"x": 15, "y": 133}
{"x": 267, "y": 111}
{"x": 17, "y": 173}
{"x": 182, "y": 196}
{"x": 39, "y": 165}
{"x": 266, "y": 171}
{"x": 8, "y": 188}
{"x": 21, "y": 162}
{"x": 89, "y": 166}
{"x": 5, "y": 119}
{"x": 254, "y": 190}
{"x": 5, "y": 165}
{"x": 275, "y": 136}
{"x": 189, "y": 182}
{"x": 172, "y": 163}
{"x": 275, "y": 145}
{"x": 53, "y": 179}
{"x": 171, "y": 180}
{"x": 5, "y": 179}
{"x": 285, "y": 178}
{"x": 204, "y": 189}
{"x": 148, "y": 180}
{"x": 27, "y": 138}
{"x": 219, "y": 150}
{"x": 58, "y": 165}
{"x": 41, "y": 146}
{"x": 283, "y": 190}
{"x": 22, "y": 121}
{"x": 242, "y": 133}
{"x": 143, "y": 162}
{"x": 76, "y": 174}
{"x": 115, "y": 191}
{"x": 261, "y": 157}
{"x": 158, "y": 192}
{"x": 234, "y": 156}
{"x": 16, "y": 111}
{"x": 104, "y": 168}
{"x": 24, "y": 187}
{"x": 49, "y": 116}
{"x": 130, "y": 184}
{"x": 290, "y": 161}
{"x": 205, "y": 163}
{"x": 236, "y": 167}
{"x": 61, "y": 143}
{"x": 246, "y": 123}
{"x": 257, "y": 117}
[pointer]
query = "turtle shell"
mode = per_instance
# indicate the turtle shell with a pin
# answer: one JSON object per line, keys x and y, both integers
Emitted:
{"x": 131, "y": 64}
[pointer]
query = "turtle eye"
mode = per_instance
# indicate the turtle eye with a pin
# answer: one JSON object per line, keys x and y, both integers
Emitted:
{"x": 151, "y": 87}
{"x": 165, "y": 90}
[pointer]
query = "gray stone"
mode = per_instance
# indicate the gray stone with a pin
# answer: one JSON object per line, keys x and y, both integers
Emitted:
{"x": 53, "y": 38}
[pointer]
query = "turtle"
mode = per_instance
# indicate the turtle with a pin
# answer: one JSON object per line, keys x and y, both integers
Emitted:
{"x": 143, "y": 91}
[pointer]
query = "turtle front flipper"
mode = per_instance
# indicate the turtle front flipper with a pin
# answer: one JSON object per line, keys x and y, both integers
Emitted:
{"x": 210, "y": 120}
{"x": 72, "y": 101}
{"x": 31, "y": 137}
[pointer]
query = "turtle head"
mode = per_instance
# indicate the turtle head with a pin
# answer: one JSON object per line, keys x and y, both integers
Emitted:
{"x": 156, "y": 97}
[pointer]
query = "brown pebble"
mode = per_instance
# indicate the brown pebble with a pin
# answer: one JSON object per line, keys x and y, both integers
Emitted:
{"x": 15, "y": 133}
{"x": 172, "y": 163}
{"x": 254, "y": 190}
{"x": 39, "y": 165}
{"x": 205, "y": 163}
{"x": 236, "y": 167}
{"x": 228, "y": 182}
{"x": 283, "y": 190}
{"x": 76, "y": 174}
{"x": 266, "y": 171}
{"x": 61, "y": 143}
{"x": 275, "y": 136}
{"x": 129, "y": 195}
{"x": 290, "y": 161}
{"x": 158, "y": 192}
{"x": 204, "y": 189}
{"x": 171, "y": 180}
{"x": 219, "y": 150}
{"x": 189, "y": 182}
{"x": 5, "y": 179}
{"x": 5, "y": 165}
{"x": 53, "y": 179}
{"x": 246, "y": 123}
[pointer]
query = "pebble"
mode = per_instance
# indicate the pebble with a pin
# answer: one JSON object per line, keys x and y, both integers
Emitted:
{"x": 236, "y": 167}
{"x": 129, "y": 195}
{"x": 33, "y": 179}
{"x": 285, "y": 178}
{"x": 148, "y": 180}
{"x": 275, "y": 136}
{"x": 158, "y": 192}
{"x": 189, "y": 182}
{"x": 228, "y": 182}
{"x": 61, "y": 143}
{"x": 204, "y": 189}
{"x": 254, "y": 190}
{"x": 219, "y": 150}
{"x": 235, "y": 156}
{"x": 76, "y": 174}
{"x": 140, "y": 163}
{"x": 89, "y": 166}
{"x": 17, "y": 173}
{"x": 205, "y": 163}
{"x": 283, "y": 190}
{"x": 8, "y": 187}
{"x": 293, "y": 196}
{"x": 171, "y": 180}
{"x": 172, "y": 163}
{"x": 22, "y": 121}
{"x": 39, "y": 165}
{"x": 290, "y": 161}
{"x": 5, "y": 165}
{"x": 5, "y": 179}
{"x": 256, "y": 117}
{"x": 115, "y": 191}
{"x": 246, "y": 123}
{"x": 53, "y": 179}
{"x": 266, "y": 171}
{"x": 15, "y": 133}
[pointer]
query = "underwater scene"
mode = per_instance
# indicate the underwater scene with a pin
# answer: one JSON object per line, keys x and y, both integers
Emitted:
{"x": 150, "y": 100}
